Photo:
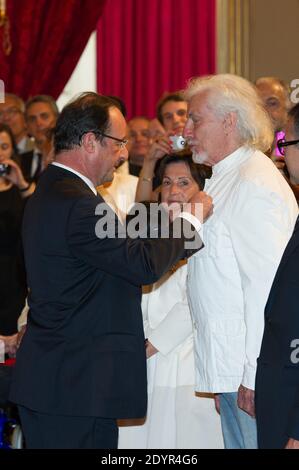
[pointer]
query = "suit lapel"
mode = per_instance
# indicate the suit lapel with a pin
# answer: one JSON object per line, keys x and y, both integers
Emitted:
{"x": 25, "y": 163}
{"x": 293, "y": 243}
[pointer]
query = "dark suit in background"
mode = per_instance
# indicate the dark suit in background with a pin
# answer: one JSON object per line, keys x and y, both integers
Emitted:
{"x": 83, "y": 354}
{"x": 26, "y": 163}
{"x": 277, "y": 380}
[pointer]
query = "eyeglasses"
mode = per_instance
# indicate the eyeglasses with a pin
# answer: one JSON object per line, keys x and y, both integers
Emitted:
{"x": 281, "y": 143}
{"x": 9, "y": 112}
{"x": 122, "y": 143}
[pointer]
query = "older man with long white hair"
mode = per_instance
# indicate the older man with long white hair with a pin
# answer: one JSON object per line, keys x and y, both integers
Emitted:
{"x": 254, "y": 216}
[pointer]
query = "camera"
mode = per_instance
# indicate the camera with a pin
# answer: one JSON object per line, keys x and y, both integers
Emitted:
{"x": 177, "y": 142}
{"x": 4, "y": 169}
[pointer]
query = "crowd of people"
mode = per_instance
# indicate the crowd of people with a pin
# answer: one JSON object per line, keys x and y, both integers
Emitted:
{"x": 179, "y": 340}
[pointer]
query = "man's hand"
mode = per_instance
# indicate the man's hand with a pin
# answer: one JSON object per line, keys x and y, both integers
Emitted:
{"x": 217, "y": 402}
{"x": 10, "y": 344}
{"x": 292, "y": 444}
{"x": 150, "y": 349}
{"x": 201, "y": 206}
{"x": 246, "y": 400}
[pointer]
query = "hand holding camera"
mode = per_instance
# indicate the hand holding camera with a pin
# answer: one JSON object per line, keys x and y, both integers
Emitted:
{"x": 4, "y": 169}
{"x": 166, "y": 145}
{"x": 159, "y": 148}
{"x": 11, "y": 171}
{"x": 177, "y": 142}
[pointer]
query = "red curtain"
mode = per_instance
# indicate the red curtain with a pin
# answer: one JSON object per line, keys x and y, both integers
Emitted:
{"x": 48, "y": 37}
{"x": 147, "y": 47}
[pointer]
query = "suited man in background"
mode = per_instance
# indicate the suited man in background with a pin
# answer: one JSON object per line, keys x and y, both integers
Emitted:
{"x": 82, "y": 363}
{"x": 274, "y": 94}
{"x": 277, "y": 379}
{"x": 12, "y": 113}
{"x": 41, "y": 115}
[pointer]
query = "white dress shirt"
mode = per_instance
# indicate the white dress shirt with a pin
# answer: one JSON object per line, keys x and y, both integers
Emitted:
{"x": 26, "y": 144}
{"x": 120, "y": 193}
{"x": 230, "y": 278}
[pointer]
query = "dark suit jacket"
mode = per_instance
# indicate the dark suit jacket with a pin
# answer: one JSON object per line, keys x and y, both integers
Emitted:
{"x": 277, "y": 381}
{"x": 83, "y": 352}
{"x": 26, "y": 160}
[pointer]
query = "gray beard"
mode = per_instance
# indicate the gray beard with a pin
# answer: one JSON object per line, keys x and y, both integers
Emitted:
{"x": 200, "y": 158}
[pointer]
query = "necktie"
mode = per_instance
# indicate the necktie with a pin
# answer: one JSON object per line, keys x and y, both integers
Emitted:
{"x": 38, "y": 166}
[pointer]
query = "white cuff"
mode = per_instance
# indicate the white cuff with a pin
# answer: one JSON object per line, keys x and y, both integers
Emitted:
{"x": 192, "y": 219}
{"x": 22, "y": 320}
{"x": 249, "y": 377}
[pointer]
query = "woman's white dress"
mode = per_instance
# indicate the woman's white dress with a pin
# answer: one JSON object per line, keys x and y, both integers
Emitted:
{"x": 176, "y": 417}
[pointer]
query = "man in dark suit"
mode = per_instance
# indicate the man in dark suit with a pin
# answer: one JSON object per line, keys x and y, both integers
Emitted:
{"x": 12, "y": 114}
{"x": 277, "y": 380}
{"x": 81, "y": 364}
{"x": 41, "y": 115}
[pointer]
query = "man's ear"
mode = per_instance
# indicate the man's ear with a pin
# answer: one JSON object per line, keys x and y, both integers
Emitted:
{"x": 229, "y": 122}
{"x": 88, "y": 142}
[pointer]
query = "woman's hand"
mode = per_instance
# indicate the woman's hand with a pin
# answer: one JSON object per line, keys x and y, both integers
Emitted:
{"x": 15, "y": 175}
{"x": 160, "y": 147}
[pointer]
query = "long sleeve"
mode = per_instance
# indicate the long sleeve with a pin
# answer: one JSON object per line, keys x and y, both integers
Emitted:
{"x": 260, "y": 228}
{"x": 137, "y": 260}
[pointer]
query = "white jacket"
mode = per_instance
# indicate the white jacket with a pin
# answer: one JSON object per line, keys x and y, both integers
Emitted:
{"x": 230, "y": 278}
{"x": 176, "y": 418}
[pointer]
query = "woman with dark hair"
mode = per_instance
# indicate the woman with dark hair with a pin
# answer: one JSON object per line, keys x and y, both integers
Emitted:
{"x": 14, "y": 190}
{"x": 176, "y": 417}
{"x": 150, "y": 175}
{"x": 197, "y": 172}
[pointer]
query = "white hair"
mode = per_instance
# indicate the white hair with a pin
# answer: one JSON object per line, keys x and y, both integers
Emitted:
{"x": 228, "y": 93}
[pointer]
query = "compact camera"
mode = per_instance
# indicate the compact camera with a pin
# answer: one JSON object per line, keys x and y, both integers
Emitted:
{"x": 177, "y": 142}
{"x": 4, "y": 169}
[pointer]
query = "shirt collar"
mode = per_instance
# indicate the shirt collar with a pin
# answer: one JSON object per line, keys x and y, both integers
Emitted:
{"x": 84, "y": 178}
{"x": 234, "y": 159}
{"x": 22, "y": 144}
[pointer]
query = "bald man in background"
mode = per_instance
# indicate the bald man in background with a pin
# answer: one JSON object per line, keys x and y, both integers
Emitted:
{"x": 275, "y": 96}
